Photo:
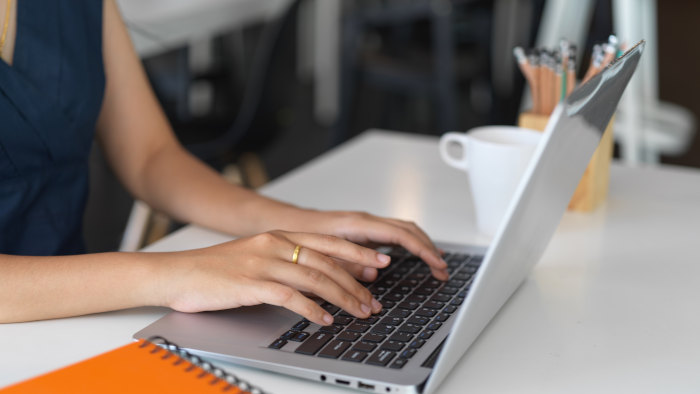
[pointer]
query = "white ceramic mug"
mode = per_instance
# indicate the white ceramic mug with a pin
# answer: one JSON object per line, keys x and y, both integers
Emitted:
{"x": 495, "y": 157}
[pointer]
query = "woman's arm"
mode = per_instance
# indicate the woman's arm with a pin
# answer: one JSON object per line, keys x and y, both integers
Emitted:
{"x": 148, "y": 159}
{"x": 247, "y": 271}
{"x": 250, "y": 270}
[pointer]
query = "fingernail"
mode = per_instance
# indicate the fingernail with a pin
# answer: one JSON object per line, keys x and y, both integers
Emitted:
{"x": 368, "y": 274}
{"x": 365, "y": 309}
{"x": 376, "y": 305}
{"x": 382, "y": 258}
{"x": 328, "y": 319}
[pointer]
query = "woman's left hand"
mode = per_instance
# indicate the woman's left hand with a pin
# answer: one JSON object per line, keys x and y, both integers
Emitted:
{"x": 367, "y": 229}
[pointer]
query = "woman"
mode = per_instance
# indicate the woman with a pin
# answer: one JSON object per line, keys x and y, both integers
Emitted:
{"x": 68, "y": 74}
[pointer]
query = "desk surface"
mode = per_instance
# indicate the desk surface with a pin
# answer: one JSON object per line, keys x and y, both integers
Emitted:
{"x": 611, "y": 307}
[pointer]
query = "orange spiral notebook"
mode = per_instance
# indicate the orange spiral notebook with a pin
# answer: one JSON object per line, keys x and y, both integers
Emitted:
{"x": 140, "y": 367}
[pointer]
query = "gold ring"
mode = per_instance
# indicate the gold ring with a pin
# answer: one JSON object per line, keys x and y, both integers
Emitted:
{"x": 295, "y": 255}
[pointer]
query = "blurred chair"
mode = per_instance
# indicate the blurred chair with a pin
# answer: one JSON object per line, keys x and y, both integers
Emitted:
{"x": 225, "y": 142}
{"x": 394, "y": 73}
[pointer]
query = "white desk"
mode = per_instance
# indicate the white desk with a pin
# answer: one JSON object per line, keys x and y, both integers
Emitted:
{"x": 612, "y": 306}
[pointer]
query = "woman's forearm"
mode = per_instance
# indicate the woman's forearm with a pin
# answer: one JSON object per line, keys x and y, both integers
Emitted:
{"x": 37, "y": 288}
{"x": 180, "y": 185}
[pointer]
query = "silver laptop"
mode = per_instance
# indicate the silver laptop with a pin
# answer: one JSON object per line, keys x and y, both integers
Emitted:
{"x": 426, "y": 325}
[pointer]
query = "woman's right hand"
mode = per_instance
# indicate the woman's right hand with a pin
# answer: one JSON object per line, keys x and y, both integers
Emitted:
{"x": 259, "y": 270}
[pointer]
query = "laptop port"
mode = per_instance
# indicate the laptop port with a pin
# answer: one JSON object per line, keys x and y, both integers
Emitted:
{"x": 365, "y": 386}
{"x": 343, "y": 382}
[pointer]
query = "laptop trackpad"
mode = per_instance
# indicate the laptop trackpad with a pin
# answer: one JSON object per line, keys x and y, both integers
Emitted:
{"x": 231, "y": 328}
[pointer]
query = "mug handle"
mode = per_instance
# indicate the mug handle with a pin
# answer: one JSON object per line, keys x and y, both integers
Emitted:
{"x": 460, "y": 139}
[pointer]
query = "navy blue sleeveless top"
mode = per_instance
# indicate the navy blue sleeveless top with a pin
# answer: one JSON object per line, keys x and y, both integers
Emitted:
{"x": 50, "y": 99}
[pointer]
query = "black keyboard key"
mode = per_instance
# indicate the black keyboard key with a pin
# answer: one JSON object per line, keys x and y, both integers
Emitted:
{"x": 442, "y": 317}
{"x": 355, "y": 355}
{"x": 434, "y": 305}
{"x": 372, "y": 337}
{"x": 370, "y": 320}
{"x": 330, "y": 308}
{"x": 378, "y": 290}
{"x": 455, "y": 283}
{"x": 417, "y": 343}
{"x": 425, "y": 291}
{"x": 410, "y": 328}
{"x": 457, "y": 301}
{"x": 391, "y": 321}
{"x": 408, "y": 353}
{"x": 449, "y": 290}
{"x": 432, "y": 282}
{"x": 393, "y": 345}
{"x": 434, "y": 326}
{"x": 333, "y": 328}
{"x": 416, "y": 298}
{"x": 365, "y": 346}
{"x": 381, "y": 357}
{"x": 409, "y": 305}
{"x": 424, "y": 269}
{"x": 288, "y": 334}
{"x": 383, "y": 329}
{"x": 342, "y": 320}
{"x": 334, "y": 349}
{"x": 460, "y": 257}
{"x": 358, "y": 327}
{"x": 301, "y": 325}
{"x": 440, "y": 298}
{"x": 408, "y": 283}
{"x": 314, "y": 343}
{"x": 399, "y": 363}
{"x": 278, "y": 343}
{"x": 393, "y": 297}
{"x": 427, "y": 312}
{"x": 387, "y": 304}
{"x": 450, "y": 309}
{"x": 418, "y": 320}
{"x": 469, "y": 269}
{"x": 465, "y": 276}
{"x": 401, "y": 337}
{"x": 403, "y": 289}
{"x": 401, "y": 313}
{"x": 348, "y": 336}
{"x": 419, "y": 276}
{"x": 426, "y": 334}
{"x": 300, "y": 336}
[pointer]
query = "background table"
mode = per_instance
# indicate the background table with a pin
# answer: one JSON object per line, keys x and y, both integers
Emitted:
{"x": 611, "y": 307}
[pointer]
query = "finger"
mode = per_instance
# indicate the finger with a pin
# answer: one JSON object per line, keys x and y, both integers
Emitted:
{"x": 287, "y": 297}
{"x": 413, "y": 228}
{"x": 365, "y": 274}
{"x": 340, "y": 249}
{"x": 330, "y": 267}
{"x": 384, "y": 231}
{"x": 303, "y": 277}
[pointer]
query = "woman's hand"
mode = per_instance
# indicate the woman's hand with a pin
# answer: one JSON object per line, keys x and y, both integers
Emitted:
{"x": 259, "y": 269}
{"x": 366, "y": 229}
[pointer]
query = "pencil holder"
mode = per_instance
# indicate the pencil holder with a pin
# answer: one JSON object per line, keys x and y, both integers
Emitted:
{"x": 593, "y": 187}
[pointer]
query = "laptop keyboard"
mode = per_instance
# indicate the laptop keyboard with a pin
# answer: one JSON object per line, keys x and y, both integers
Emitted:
{"x": 415, "y": 306}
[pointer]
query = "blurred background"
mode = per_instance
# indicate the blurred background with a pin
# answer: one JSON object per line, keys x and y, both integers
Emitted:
{"x": 258, "y": 87}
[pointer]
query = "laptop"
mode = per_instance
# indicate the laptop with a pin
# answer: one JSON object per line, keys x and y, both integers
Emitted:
{"x": 426, "y": 325}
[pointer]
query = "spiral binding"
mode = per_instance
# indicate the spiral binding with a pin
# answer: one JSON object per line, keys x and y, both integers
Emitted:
{"x": 208, "y": 367}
